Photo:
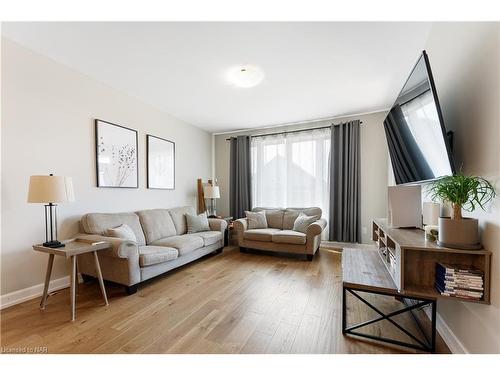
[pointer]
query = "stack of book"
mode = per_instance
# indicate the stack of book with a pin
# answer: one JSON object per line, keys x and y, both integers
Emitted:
{"x": 459, "y": 281}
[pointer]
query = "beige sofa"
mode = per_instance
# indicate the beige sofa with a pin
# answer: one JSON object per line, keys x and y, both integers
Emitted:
{"x": 279, "y": 236}
{"x": 162, "y": 244}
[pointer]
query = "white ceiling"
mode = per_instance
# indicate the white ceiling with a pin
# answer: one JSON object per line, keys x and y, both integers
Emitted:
{"x": 312, "y": 70}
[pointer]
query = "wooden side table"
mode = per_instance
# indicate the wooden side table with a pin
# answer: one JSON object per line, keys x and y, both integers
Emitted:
{"x": 72, "y": 249}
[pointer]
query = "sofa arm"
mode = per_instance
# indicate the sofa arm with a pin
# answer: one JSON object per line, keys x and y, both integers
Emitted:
{"x": 218, "y": 225}
{"x": 240, "y": 225}
{"x": 119, "y": 248}
{"x": 313, "y": 236}
{"x": 316, "y": 228}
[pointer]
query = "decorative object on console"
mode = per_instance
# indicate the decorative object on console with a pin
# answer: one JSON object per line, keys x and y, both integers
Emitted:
{"x": 431, "y": 212}
{"x": 160, "y": 163}
{"x": 431, "y": 232}
{"x": 211, "y": 192}
{"x": 51, "y": 189}
{"x": 461, "y": 191}
{"x": 116, "y": 155}
{"x": 405, "y": 206}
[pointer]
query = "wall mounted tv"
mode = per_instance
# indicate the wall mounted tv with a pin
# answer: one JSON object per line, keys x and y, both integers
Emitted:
{"x": 415, "y": 132}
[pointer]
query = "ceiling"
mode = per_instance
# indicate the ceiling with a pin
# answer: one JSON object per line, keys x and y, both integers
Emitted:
{"x": 312, "y": 70}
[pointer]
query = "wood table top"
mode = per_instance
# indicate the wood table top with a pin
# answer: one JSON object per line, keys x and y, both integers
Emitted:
{"x": 364, "y": 268}
{"x": 73, "y": 247}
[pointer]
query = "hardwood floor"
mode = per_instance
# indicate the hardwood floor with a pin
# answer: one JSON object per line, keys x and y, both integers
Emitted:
{"x": 228, "y": 303}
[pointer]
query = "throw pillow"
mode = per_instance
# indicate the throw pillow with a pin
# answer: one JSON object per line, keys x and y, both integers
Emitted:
{"x": 123, "y": 231}
{"x": 302, "y": 222}
{"x": 197, "y": 223}
{"x": 256, "y": 220}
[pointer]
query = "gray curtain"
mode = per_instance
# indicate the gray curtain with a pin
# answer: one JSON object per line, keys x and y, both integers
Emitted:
{"x": 239, "y": 177}
{"x": 344, "y": 183}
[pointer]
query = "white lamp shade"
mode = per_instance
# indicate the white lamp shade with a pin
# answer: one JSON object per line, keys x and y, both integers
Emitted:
{"x": 50, "y": 189}
{"x": 211, "y": 192}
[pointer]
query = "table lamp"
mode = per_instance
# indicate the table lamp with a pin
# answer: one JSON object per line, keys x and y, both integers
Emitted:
{"x": 51, "y": 189}
{"x": 211, "y": 192}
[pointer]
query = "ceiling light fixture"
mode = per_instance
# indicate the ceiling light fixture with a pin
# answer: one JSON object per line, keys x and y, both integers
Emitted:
{"x": 245, "y": 76}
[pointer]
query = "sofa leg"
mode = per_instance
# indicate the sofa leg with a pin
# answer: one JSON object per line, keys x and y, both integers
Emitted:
{"x": 87, "y": 278}
{"x": 219, "y": 251}
{"x": 309, "y": 257}
{"x": 132, "y": 289}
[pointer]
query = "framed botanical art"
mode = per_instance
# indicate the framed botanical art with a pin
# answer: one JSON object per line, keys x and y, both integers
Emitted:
{"x": 160, "y": 163}
{"x": 116, "y": 155}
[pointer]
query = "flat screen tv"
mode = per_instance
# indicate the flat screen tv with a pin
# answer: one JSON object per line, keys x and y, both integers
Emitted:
{"x": 418, "y": 145}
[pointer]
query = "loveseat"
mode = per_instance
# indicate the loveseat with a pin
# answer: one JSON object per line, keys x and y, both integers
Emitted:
{"x": 279, "y": 235}
{"x": 162, "y": 244}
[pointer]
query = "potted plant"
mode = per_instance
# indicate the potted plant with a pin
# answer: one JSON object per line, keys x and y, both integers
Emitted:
{"x": 462, "y": 192}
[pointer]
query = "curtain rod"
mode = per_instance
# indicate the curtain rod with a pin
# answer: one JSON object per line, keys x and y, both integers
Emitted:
{"x": 290, "y": 131}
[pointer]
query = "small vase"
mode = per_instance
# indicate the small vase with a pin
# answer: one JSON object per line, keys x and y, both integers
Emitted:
{"x": 459, "y": 234}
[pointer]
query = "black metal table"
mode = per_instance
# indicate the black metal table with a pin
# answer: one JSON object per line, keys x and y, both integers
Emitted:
{"x": 363, "y": 271}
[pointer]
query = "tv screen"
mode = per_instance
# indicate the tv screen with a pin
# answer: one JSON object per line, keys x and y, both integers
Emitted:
{"x": 415, "y": 132}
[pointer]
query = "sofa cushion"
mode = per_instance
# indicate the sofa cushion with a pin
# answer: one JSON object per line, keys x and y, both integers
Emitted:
{"x": 123, "y": 231}
{"x": 197, "y": 223}
{"x": 302, "y": 222}
{"x": 260, "y": 234}
{"x": 149, "y": 255}
{"x": 289, "y": 218}
{"x": 156, "y": 224}
{"x": 184, "y": 243}
{"x": 274, "y": 217}
{"x": 256, "y": 220}
{"x": 210, "y": 237}
{"x": 99, "y": 223}
{"x": 289, "y": 236}
{"x": 292, "y": 213}
{"x": 179, "y": 218}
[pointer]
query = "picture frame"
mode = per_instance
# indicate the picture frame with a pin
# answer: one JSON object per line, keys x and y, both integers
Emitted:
{"x": 160, "y": 161}
{"x": 116, "y": 155}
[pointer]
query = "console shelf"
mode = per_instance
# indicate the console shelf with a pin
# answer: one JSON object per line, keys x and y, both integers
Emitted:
{"x": 411, "y": 260}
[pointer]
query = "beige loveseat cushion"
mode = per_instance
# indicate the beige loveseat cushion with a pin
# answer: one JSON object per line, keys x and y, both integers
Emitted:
{"x": 149, "y": 255}
{"x": 185, "y": 243}
{"x": 292, "y": 213}
{"x": 260, "y": 234}
{"x": 157, "y": 224}
{"x": 178, "y": 215}
{"x": 209, "y": 237}
{"x": 99, "y": 223}
{"x": 274, "y": 216}
{"x": 289, "y": 236}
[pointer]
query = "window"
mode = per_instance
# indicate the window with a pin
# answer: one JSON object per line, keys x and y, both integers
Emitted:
{"x": 291, "y": 170}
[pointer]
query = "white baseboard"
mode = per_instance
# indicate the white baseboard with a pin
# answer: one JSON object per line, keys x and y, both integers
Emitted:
{"x": 454, "y": 344}
{"x": 31, "y": 292}
{"x": 452, "y": 341}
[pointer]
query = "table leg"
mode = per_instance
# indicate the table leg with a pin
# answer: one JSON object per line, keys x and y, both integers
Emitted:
{"x": 47, "y": 281}
{"x": 99, "y": 277}
{"x": 73, "y": 288}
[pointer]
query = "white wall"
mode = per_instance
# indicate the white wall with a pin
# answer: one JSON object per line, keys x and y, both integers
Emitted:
{"x": 465, "y": 60}
{"x": 47, "y": 127}
{"x": 373, "y": 161}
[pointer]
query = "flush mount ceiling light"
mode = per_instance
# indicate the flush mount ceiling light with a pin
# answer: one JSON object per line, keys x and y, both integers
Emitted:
{"x": 245, "y": 76}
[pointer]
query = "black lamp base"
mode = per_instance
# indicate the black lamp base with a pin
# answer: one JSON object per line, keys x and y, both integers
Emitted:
{"x": 53, "y": 244}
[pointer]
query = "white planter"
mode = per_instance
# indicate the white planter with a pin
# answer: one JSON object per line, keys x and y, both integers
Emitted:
{"x": 459, "y": 234}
